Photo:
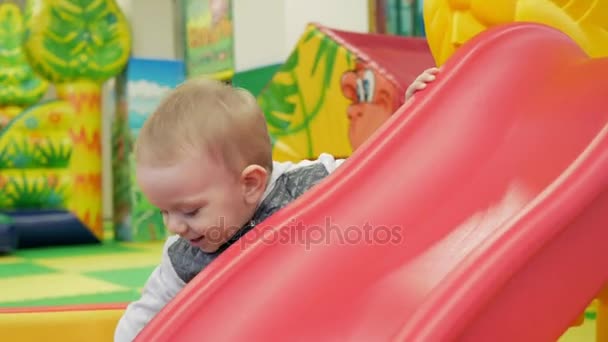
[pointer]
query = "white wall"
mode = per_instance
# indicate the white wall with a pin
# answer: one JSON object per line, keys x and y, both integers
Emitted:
{"x": 267, "y": 30}
{"x": 259, "y": 34}
{"x": 153, "y": 25}
{"x": 125, "y": 5}
{"x": 350, "y": 15}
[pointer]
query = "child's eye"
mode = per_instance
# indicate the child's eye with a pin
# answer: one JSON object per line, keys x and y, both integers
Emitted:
{"x": 192, "y": 213}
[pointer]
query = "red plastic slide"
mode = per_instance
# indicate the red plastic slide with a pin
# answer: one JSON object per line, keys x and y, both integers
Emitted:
{"x": 491, "y": 189}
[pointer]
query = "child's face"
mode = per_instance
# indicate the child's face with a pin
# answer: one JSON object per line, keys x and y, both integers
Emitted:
{"x": 200, "y": 200}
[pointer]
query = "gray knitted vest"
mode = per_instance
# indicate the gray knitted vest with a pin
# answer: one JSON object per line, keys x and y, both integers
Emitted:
{"x": 188, "y": 261}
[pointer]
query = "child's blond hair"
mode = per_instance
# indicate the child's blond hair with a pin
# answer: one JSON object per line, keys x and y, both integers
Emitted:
{"x": 203, "y": 115}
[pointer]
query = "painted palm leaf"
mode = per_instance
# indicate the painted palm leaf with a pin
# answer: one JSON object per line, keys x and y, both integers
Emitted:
{"x": 19, "y": 85}
{"x": 289, "y": 108}
{"x": 327, "y": 51}
{"x": 276, "y": 102}
{"x": 67, "y": 40}
{"x": 277, "y": 106}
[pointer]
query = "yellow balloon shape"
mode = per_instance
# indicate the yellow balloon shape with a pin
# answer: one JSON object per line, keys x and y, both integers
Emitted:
{"x": 451, "y": 23}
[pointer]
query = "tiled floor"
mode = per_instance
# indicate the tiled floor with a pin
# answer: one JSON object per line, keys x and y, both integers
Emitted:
{"x": 110, "y": 272}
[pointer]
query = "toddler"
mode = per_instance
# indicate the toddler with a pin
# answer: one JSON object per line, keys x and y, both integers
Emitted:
{"x": 204, "y": 158}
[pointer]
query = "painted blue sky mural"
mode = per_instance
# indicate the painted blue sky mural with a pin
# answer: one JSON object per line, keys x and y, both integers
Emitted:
{"x": 148, "y": 82}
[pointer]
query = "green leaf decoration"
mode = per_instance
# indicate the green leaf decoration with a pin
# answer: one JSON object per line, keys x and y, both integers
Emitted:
{"x": 35, "y": 193}
{"x": 323, "y": 46}
{"x": 22, "y": 154}
{"x": 290, "y": 110}
{"x": 19, "y": 84}
{"x": 5, "y": 159}
{"x": 327, "y": 51}
{"x": 276, "y": 104}
{"x": 68, "y": 40}
{"x": 310, "y": 35}
{"x": 291, "y": 62}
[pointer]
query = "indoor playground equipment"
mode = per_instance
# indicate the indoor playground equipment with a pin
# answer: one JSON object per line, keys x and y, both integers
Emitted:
{"x": 492, "y": 206}
{"x": 336, "y": 88}
{"x": 455, "y": 22}
{"x": 496, "y": 202}
{"x": 50, "y": 152}
{"x": 305, "y": 100}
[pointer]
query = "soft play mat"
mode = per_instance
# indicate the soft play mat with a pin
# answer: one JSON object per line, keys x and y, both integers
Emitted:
{"x": 89, "y": 274}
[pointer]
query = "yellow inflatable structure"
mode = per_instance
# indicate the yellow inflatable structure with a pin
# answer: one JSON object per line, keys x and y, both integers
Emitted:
{"x": 91, "y": 323}
{"x": 50, "y": 152}
{"x": 450, "y": 23}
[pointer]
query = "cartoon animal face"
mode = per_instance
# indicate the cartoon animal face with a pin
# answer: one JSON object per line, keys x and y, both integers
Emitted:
{"x": 373, "y": 101}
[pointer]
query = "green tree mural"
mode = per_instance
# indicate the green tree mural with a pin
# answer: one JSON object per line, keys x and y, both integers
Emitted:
{"x": 67, "y": 40}
{"x": 77, "y": 45}
{"x": 20, "y": 86}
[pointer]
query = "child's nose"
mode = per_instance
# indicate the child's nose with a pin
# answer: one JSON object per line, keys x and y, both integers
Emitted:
{"x": 175, "y": 225}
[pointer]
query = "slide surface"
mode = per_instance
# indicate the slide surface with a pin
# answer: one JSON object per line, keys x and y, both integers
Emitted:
{"x": 491, "y": 189}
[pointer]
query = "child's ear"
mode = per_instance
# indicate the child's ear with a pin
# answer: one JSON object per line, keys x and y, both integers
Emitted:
{"x": 253, "y": 182}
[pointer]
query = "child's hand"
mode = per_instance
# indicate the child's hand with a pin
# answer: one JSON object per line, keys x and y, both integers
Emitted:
{"x": 420, "y": 82}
